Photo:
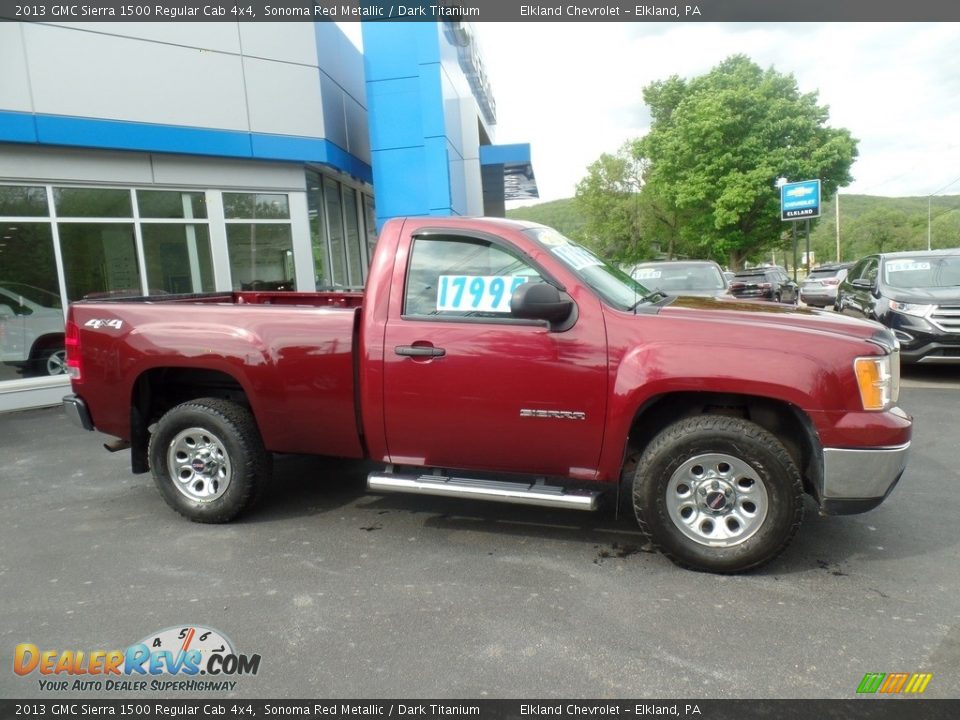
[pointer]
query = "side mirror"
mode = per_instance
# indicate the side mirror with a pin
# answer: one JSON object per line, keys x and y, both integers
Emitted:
{"x": 861, "y": 283}
{"x": 539, "y": 301}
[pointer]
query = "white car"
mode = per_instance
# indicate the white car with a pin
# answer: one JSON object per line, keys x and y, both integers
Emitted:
{"x": 31, "y": 329}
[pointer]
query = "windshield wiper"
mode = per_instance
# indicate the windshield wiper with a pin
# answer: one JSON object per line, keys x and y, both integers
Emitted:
{"x": 654, "y": 297}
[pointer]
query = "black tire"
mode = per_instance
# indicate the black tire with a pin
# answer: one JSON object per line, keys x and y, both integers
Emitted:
{"x": 776, "y": 298}
{"x": 48, "y": 361}
{"x": 224, "y": 438}
{"x": 759, "y": 473}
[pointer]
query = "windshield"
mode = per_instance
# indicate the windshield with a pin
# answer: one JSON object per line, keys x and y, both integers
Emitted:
{"x": 32, "y": 294}
{"x": 680, "y": 277}
{"x": 828, "y": 273}
{"x": 613, "y": 285}
{"x": 923, "y": 272}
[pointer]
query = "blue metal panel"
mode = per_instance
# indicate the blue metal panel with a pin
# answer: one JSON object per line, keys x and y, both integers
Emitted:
{"x": 404, "y": 172}
{"x": 518, "y": 154}
{"x": 17, "y": 127}
{"x": 394, "y": 114}
{"x": 146, "y": 137}
{"x": 120, "y": 135}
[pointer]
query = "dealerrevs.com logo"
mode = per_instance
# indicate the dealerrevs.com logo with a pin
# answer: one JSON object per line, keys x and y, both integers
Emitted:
{"x": 894, "y": 683}
{"x": 185, "y": 658}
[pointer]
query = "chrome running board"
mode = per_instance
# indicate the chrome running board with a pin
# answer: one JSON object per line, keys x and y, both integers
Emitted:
{"x": 518, "y": 493}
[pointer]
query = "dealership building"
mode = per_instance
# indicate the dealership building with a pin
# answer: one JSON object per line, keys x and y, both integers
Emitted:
{"x": 158, "y": 158}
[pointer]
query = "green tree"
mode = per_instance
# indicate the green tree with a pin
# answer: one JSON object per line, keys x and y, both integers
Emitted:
{"x": 609, "y": 199}
{"x": 718, "y": 143}
{"x": 884, "y": 229}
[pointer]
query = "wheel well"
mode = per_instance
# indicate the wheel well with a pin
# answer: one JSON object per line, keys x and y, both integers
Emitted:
{"x": 157, "y": 391}
{"x": 46, "y": 342}
{"x": 786, "y": 422}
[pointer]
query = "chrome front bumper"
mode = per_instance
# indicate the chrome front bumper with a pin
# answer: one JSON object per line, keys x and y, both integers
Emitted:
{"x": 855, "y": 481}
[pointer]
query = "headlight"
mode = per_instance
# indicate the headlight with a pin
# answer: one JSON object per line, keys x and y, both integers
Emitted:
{"x": 878, "y": 378}
{"x": 910, "y": 308}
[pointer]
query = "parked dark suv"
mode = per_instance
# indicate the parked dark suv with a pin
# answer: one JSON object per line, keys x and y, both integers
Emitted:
{"x": 916, "y": 294}
{"x": 819, "y": 288}
{"x": 764, "y": 283}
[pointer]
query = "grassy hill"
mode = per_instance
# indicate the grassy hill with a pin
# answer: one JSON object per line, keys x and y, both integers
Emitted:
{"x": 868, "y": 223}
{"x": 561, "y": 215}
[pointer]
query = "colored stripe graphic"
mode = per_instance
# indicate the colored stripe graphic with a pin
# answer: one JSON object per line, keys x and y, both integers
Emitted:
{"x": 871, "y": 682}
{"x": 918, "y": 683}
{"x": 894, "y": 683}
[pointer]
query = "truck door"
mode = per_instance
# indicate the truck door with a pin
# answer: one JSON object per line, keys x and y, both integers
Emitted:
{"x": 466, "y": 385}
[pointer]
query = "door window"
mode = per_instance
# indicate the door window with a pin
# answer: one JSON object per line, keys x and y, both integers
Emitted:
{"x": 462, "y": 277}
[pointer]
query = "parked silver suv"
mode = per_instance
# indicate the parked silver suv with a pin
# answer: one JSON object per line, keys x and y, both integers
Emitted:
{"x": 819, "y": 289}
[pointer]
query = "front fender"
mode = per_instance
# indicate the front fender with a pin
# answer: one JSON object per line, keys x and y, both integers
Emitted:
{"x": 652, "y": 371}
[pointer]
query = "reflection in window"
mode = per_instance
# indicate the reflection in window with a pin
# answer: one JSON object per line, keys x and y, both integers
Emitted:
{"x": 99, "y": 259}
{"x": 256, "y": 206}
{"x": 23, "y": 201}
{"x": 351, "y": 219}
{"x": 171, "y": 204}
{"x": 92, "y": 203}
{"x": 318, "y": 230}
{"x": 370, "y": 215}
{"x": 433, "y": 257}
{"x": 31, "y": 315}
{"x": 178, "y": 258}
{"x": 261, "y": 256}
{"x": 338, "y": 255}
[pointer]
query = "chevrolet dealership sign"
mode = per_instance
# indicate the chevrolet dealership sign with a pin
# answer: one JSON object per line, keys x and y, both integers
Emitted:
{"x": 800, "y": 200}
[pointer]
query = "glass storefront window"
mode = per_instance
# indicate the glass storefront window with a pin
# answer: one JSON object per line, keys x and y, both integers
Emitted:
{"x": 318, "y": 230}
{"x": 370, "y": 215}
{"x": 352, "y": 223}
{"x": 23, "y": 201}
{"x": 161, "y": 204}
{"x": 256, "y": 206}
{"x": 338, "y": 253}
{"x": 178, "y": 258}
{"x": 31, "y": 314}
{"x": 261, "y": 256}
{"x": 99, "y": 260}
{"x": 92, "y": 203}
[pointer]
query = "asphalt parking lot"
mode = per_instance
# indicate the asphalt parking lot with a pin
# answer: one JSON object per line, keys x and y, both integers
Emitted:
{"x": 346, "y": 594}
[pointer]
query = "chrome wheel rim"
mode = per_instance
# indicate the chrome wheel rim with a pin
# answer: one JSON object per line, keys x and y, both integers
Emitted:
{"x": 199, "y": 465}
{"x": 57, "y": 363}
{"x": 717, "y": 500}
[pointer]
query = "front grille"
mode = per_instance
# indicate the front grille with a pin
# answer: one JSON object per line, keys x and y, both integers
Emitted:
{"x": 947, "y": 318}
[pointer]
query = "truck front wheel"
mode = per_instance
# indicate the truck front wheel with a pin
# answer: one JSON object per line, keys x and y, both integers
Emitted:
{"x": 208, "y": 460}
{"x": 718, "y": 494}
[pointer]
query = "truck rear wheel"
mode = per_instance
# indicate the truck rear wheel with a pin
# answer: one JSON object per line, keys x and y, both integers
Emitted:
{"x": 718, "y": 494}
{"x": 208, "y": 459}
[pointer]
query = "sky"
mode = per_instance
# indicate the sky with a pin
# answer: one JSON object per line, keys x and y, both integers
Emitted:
{"x": 574, "y": 90}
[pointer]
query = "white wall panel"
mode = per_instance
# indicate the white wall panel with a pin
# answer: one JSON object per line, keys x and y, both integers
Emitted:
{"x": 293, "y": 42}
{"x": 283, "y": 98}
{"x": 215, "y": 36}
{"x": 29, "y": 162}
{"x": 334, "y": 120}
{"x": 137, "y": 80}
{"x": 358, "y": 133}
{"x": 14, "y": 88}
{"x": 210, "y": 172}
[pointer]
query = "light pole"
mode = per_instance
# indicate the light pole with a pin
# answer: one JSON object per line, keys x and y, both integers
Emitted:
{"x": 838, "y": 224}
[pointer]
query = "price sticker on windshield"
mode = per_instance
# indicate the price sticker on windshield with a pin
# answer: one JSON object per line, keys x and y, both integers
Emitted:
{"x": 477, "y": 293}
{"x": 576, "y": 257}
{"x": 646, "y": 274}
{"x": 905, "y": 265}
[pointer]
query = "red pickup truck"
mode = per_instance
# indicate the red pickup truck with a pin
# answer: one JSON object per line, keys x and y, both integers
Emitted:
{"x": 498, "y": 360}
